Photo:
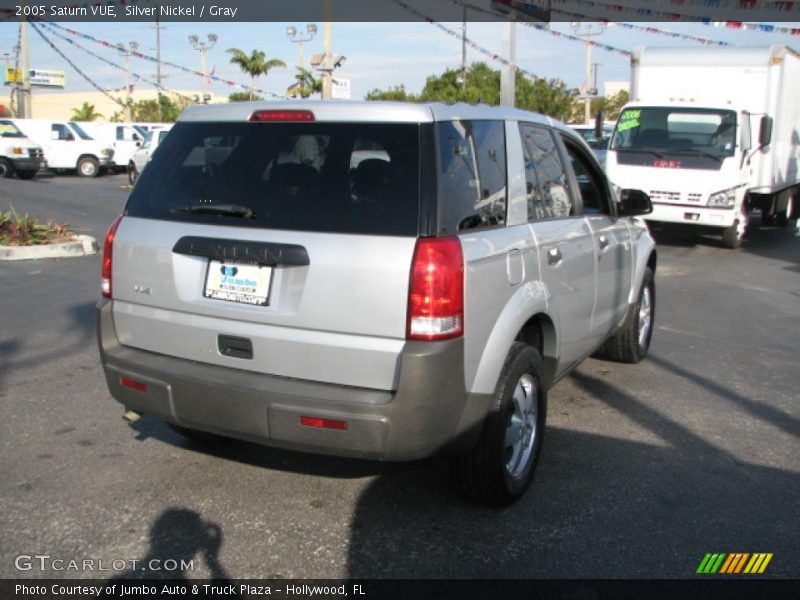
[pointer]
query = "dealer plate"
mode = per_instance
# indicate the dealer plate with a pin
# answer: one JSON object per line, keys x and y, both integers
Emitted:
{"x": 240, "y": 282}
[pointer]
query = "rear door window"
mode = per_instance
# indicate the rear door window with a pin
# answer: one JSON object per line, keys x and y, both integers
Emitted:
{"x": 473, "y": 175}
{"x": 337, "y": 177}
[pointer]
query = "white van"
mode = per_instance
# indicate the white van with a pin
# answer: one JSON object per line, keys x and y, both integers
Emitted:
{"x": 125, "y": 138}
{"x": 18, "y": 154}
{"x": 138, "y": 161}
{"x": 67, "y": 146}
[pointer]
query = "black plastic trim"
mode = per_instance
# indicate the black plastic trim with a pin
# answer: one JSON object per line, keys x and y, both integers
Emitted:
{"x": 262, "y": 253}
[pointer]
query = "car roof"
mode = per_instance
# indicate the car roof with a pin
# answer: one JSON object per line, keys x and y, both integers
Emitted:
{"x": 367, "y": 111}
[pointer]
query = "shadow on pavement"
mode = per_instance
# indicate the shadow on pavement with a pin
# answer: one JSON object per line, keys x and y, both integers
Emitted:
{"x": 599, "y": 507}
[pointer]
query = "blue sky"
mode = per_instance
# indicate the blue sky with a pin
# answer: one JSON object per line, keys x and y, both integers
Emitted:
{"x": 379, "y": 55}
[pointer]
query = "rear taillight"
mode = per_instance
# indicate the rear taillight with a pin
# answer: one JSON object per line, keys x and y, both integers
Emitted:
{"x": 282, "y": 115}
{"x": 108, "y": 249}
{"x": 436, "y": 290}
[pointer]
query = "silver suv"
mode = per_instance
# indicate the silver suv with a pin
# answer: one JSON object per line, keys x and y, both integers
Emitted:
{"x": 379, "y": 280}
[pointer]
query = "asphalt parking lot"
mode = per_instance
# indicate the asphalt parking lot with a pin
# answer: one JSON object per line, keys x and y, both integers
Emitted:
{"x": 645, "y": 468}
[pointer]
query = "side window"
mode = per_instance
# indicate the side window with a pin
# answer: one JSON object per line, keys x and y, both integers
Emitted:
{"x": 120, "y": 133}
{"x": 553, "y": 200}
{"x": 591, "y": 183}
{"x": 59, "y": 131}
{"x": 473, "y": 163}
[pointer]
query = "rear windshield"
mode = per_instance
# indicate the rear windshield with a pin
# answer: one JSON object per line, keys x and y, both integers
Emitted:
{"x": 329, "y": 177}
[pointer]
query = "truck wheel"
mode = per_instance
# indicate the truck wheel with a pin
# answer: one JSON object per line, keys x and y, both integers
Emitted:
{"x": 731, "y": 237}
{"x": 783, "y": 217}
{"x": 6, "y": 169}
{"x": 27, "y": 174}
{"x": 500, "y": 467}
{"x": 88, "y": 167}
{"x": 632, "y": 343}
{"x": 132, "y": 173}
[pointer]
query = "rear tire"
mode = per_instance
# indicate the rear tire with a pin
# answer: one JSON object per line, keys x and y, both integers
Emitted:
{"x": 500, "y": 467}
{"x": 132, "y": 173}
{"x": 783, "y": 217}
{"x": 88, "y": 167}
{"x": 632, "y": 343}
{"x": 26, "y": 174}
{"x": 6, "y": 169}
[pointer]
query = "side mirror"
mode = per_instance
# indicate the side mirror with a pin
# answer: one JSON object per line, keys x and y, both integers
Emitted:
{"x": 598, "y": 125}
{"x": 633, "y": 203}
{"x": 138, "y": 144}
{"x": 765, "y": 131}
{"x": 135, "y": 137}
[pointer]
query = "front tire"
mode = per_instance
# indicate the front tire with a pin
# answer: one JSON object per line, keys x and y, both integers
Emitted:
{"x": 500, "y": 467}
{"x": 132, "y": 173}
{"x": 783, "y": 217}
{"x": 88, "y": 167}
{"x": 6, "y": 169}
{"x": 632, "y": 343}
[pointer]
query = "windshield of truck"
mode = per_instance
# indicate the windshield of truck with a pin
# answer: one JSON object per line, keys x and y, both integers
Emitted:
{"x": 140, "y": 130}
{"x": 81, "y": 133}
{"x": 9, "y": 130}
{"x": 333, "y": 177}
{"x": 670, "y": 130}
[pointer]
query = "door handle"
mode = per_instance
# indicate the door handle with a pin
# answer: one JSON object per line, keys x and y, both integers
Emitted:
{"x": 553, "y": 256}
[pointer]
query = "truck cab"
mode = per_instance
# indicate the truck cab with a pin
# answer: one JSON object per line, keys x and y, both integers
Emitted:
{"x": 18, "y": 154}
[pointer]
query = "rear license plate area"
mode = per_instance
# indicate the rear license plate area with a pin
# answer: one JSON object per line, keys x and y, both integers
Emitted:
{"x": 235, "y": 281}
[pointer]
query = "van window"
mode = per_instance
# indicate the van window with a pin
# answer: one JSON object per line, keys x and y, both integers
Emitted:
{"x": 79, "y": 130}
{"x": 540, "y": 148}
{"x": 61, "y": 132}
{"x": 473, "y": 174}
{"x": 9, "y": 130}
{"x": 297, "y": 176}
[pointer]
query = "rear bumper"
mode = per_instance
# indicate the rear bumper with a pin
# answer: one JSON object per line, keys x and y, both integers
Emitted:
{"x": 429, "y": 414}
{"x": 692, "y": 215}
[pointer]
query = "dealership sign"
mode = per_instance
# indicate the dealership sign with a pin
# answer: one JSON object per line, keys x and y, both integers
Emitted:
{"x": 44, "y": 78}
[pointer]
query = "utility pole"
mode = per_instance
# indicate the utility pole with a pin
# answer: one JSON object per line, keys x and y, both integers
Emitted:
{"x": 327, "y": 61}
{"x": 588, "y": 32}
{"x": 204, "y": 47}
{"x": 298, "y": 38}
{"x": 24, "y": 94}
{"x": 464, "y": 49}
{"x": 126, "y": 52}
{"x": 508, "y": 73}
{"x": 158, "y": 66}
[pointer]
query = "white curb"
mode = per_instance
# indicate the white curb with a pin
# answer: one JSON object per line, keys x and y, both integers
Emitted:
{"x": 83, "y": 246}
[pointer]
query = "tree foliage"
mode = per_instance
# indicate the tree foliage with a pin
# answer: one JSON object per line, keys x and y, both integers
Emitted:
{"x": 86, "y": 112}
{"x": 305, "y": 84}
{"x": 255, "y": 64}
{"x": 146, "y": 111}
{"x": 550, "y": 97}
{"x": 243, "y": 97}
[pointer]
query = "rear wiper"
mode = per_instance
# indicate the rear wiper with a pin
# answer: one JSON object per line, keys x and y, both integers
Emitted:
{"x": 230, "y": 210}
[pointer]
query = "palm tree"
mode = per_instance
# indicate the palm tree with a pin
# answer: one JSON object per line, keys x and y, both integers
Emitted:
{"x": 305, "y": 84}
{"x": 254, "y": 65}
{"x": 85, "y": 113}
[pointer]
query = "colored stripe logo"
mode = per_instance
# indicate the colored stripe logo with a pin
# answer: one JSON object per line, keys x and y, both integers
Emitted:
{"x": 722, "y": 563}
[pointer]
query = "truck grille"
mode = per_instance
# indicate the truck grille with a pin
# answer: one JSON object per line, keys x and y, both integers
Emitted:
{"x": 35, "y": 152}
{"x": 674, "y": 197}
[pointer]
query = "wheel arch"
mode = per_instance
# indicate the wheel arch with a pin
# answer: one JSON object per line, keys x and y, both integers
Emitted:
{"x": 524, "y": 318}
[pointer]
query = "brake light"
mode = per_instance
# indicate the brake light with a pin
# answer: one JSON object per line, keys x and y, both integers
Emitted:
{"x": 108, "y": 247}
{"x": 323, "y": 423}
{"x": 436, "y": 290}
{"x": 282, "y": 115}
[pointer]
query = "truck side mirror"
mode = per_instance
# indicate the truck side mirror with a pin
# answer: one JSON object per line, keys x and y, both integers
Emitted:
{"x": 765, "y": 131}
{"x": 633, "y": 203}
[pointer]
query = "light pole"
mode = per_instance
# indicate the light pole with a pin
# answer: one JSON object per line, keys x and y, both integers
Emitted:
{"x": 126, "y": 52}
{"x": 585, "y": 30}
{"x": 203, "y": 47}
{"x": 296, "y": 37}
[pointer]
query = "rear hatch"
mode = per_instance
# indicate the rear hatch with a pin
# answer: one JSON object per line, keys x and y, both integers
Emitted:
{"x": 277, "y": 247}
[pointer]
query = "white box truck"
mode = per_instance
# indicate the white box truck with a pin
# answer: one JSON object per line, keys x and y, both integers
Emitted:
{"x": 125, "y": 138}
{"x": 710, "y": 134}
{"x": 67, "y": 146}
{"x": 18, "y": 154}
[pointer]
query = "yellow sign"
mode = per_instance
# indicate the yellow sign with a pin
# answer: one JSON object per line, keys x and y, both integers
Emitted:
{"x": 13, "y": 75}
